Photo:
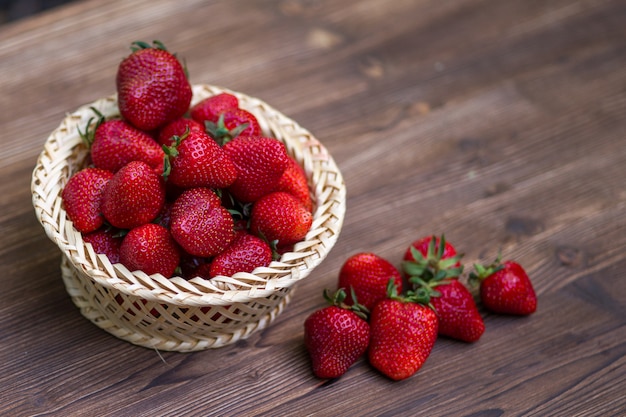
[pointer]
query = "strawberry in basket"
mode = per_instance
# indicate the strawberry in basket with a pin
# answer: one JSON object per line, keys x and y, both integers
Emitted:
{"x": 190, "y": 171}
{"x": 152, "y": 86}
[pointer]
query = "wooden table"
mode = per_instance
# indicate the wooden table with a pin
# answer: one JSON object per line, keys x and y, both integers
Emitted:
{"x": 499, "y": 123}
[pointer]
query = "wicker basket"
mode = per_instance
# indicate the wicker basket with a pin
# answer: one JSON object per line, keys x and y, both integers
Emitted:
{"x": 177, "y": 314}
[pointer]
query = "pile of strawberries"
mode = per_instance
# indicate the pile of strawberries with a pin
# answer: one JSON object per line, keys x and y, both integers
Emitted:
{"x": 184, "y": 190}
{"x": 396, "y": 315}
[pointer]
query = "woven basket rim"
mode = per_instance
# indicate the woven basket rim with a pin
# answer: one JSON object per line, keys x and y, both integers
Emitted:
{"x": 64, "y": 153}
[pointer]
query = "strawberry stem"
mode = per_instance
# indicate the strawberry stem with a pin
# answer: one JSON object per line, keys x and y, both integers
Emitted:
{"x": 172, "y": 152}
{"x": 88, "y": 134}
{"x": 432, "y": 267}
{"x": 483, "y": 271}
{"x": 220, "y": 133}
{"x": 338, "y": 298}
{"x": 139, "y": 45}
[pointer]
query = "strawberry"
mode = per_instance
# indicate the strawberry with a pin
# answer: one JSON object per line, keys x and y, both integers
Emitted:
{"x": 134, "y": 196}
{"x": 505, "y": 288}
{"x": 403, "y": 333}
{"x": 196, "y": 160}
{"x": 238, "y": 117}
{"x": 336, "y": 336}
{"x": 200, "y": 225}
{"x": 106, "y": 241}
{"x": 431, "y": 257}
{"x": 151, "y": 249}
{"x": 233, "y": 123}
{"x": 433, "y": 268}
{"x": 368, "y": 275}
{"x": 177, "y": 127}
{"x": 245, "y": 253}
{"x": 152, "y": 86}
{"x": 115, "y": 143}
{"x": 82, "y": 198}
{"x": 210, "y": 108}
{"x": 456, "y": 310}
{"x": 294, "y": 181}
{"x": 260, "y": 163}
{"x": 280, "y": 217}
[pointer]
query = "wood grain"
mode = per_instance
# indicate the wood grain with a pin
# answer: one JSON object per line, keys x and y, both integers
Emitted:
{"x": 498, "y": 123}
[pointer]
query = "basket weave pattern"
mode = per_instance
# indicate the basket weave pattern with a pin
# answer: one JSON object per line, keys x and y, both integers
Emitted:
{"x": 177, "y": 314}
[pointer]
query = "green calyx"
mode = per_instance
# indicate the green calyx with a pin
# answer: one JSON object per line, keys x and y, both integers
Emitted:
{"x": 139, "y": 45}
{"x": 338, "y": 299}
{"x": 481, "y": 272}
{"x": 432, "y": 267}
{"x": 418, "y": 296}
{"x": 172, "y": 152}
{"x": 220, "y": 133}
{"x": 88, "y": 134}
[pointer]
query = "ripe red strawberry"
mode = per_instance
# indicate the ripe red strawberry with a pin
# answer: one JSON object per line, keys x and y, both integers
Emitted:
{"x": 134, "y": 196}
{"x": 177, "y": 127}
{"x": 244, "y": 254}
{"x": 115, "y": 143}
{"x": 82, "y": 198}
{"x": 210, "y": 108}
{"x": 368, "y": 275}
{"x": 294, "y": 182}
{"x": 260, "y": 163}
{"x": 152, "y": 86}
{"x": 336, "y": 336}
{"x": 403, "y": 333}
{"x": 431, "y": 257}
{"x": 505, "y": 288}
{"x": 105, "y": 241}
{"x": 200, "y": 225}
{"x": 456, "y": 310}
{"x": 433, "y": 267}
{"x": 151, "y": 249}
{"x": 196, "y": 160}
{"x": 280, "y": 217}
{"x": 233, "y": 123}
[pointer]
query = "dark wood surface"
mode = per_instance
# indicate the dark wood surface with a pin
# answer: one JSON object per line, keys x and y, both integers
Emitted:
{"x": 499, "y": 123}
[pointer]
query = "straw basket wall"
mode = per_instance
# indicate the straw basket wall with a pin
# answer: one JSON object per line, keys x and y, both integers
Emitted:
{"x": 177, "y": 314}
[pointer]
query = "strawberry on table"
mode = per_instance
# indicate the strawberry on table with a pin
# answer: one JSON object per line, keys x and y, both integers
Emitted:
{"x": 115, "y": 143}
{"x": 432, "y": 257}
{"x": 505, "y": 288}
{"x": 82, "y": 198}
{"x": 245, "y": 253}
{"x": 336, "y": 336}
{"x": 260, "y": 163}
{"x": 134, "y": 196}
{"x": 403, "y": 333}
{"x": 152, "y": 86}
{"x": 151, "y": 249}
{"x": 280, "y": 217}
{"x": 200, "y": 224}
{"x": 455, "y": 307}
{"x": 368, "y": 275}
{"x": 196, "y": 160}
{"x": 433, "y": 268}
